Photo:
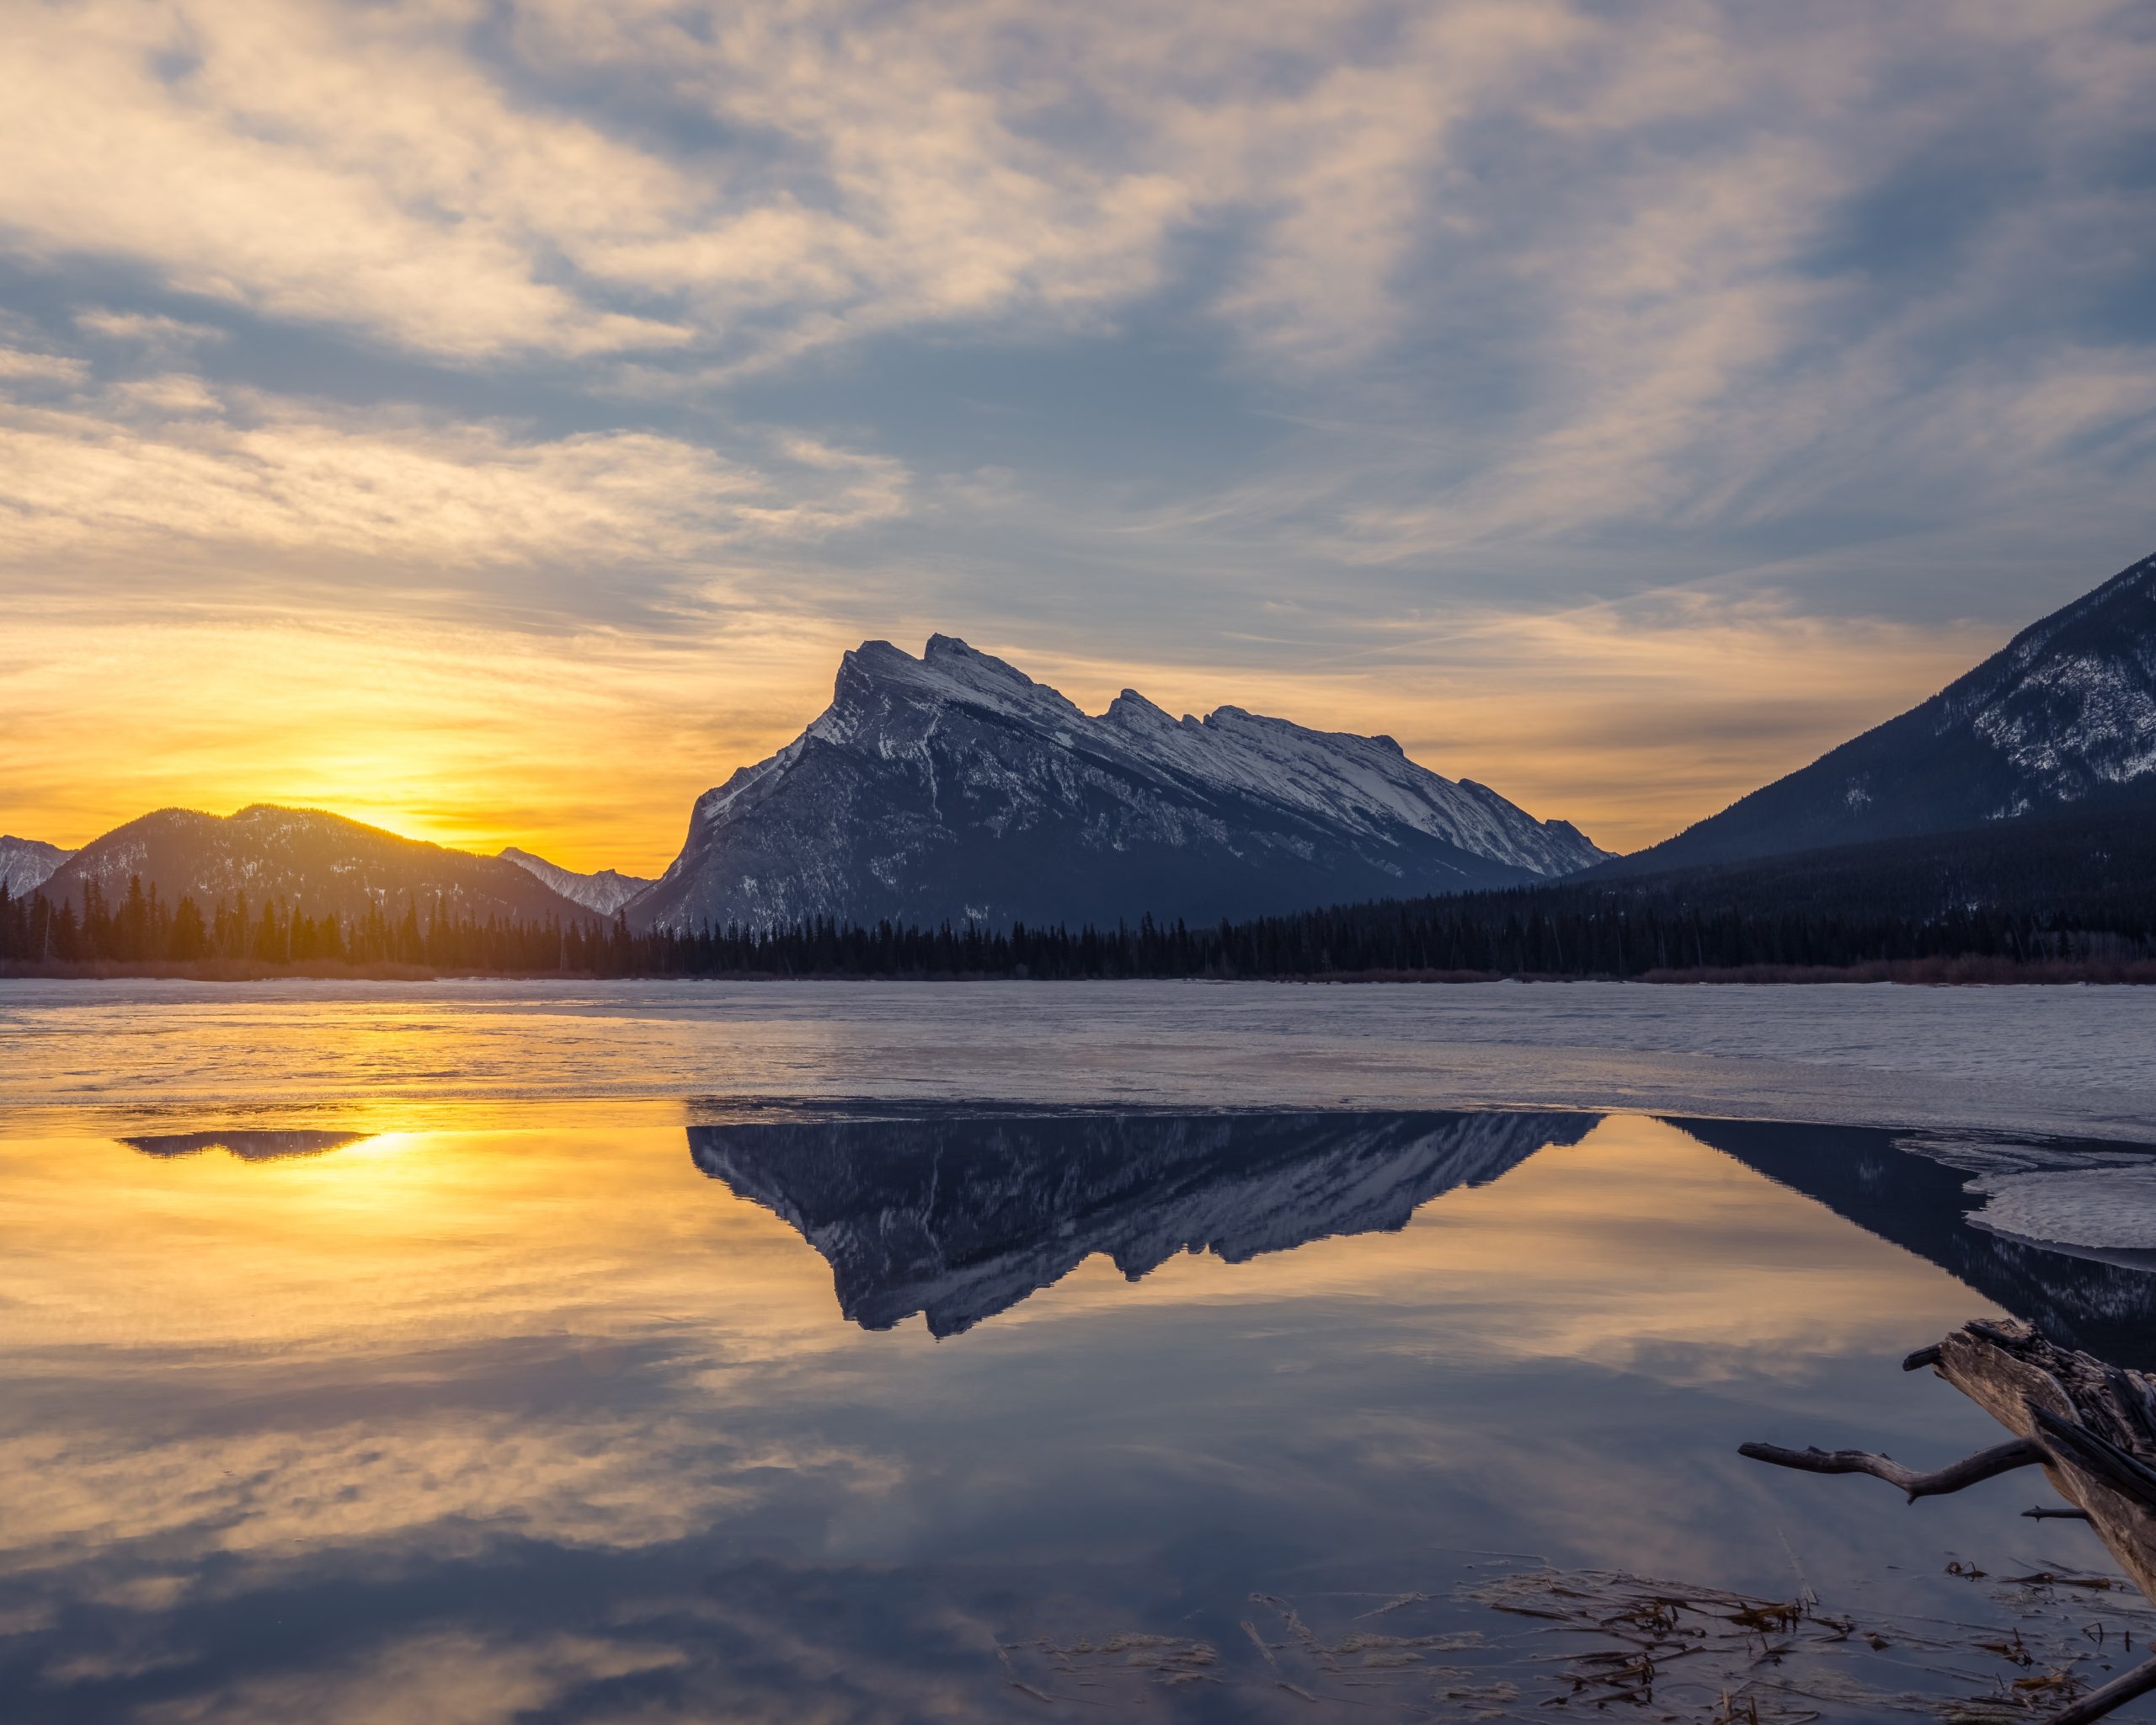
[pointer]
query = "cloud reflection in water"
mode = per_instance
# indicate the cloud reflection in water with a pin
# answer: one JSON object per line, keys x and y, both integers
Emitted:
{"x": 540, "y": 1421}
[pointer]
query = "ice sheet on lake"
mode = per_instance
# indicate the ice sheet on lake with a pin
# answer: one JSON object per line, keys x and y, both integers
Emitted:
{"x": 2071, "y": 1061}
{"x": 2108, "y": 1209}
{"x": 2056, "y": 1194}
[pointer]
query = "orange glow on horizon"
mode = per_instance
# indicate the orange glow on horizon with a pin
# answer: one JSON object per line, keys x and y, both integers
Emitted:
{"x": 589, "y": 750}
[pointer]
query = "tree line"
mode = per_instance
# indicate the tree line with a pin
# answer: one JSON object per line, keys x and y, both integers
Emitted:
{"x": 1704, "y": 921}
{"x": 144, "y": 928}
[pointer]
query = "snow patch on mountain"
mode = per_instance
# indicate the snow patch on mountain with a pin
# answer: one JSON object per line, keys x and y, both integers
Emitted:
{"x": 2071, "y": 701}
{"x": 2078, "y": 722}
{"x": 1367, "y": 783}
{"x": 26, "y": 864}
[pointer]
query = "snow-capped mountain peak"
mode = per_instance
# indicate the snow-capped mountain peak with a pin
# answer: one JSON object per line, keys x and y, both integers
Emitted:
{"x": 876, "y": 673}
{"x": 955, "y": 787}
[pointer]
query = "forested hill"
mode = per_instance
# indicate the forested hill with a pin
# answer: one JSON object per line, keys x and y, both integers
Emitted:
{"x": 2072, "y": 893}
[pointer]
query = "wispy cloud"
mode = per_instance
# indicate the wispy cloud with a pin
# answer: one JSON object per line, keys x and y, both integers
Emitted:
{"x": 167, "y": 459}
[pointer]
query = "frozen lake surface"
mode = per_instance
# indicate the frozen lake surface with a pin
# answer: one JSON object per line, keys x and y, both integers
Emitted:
{"x": 2070, "y": 1061}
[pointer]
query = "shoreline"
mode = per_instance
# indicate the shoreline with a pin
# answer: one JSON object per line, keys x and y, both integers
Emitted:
{"x": 1916, "y": 973}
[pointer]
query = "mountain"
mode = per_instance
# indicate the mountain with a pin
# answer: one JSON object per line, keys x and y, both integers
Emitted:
{"x": 323, "y": 861}
{"x": 605, "y": 892}
{"x": 26, "y": 863}
{"x": 2091, "y": 865}
{"x": 2065, "y": 712}
{"x": 955, "y": 787}
{"x": 960, "y": 1216}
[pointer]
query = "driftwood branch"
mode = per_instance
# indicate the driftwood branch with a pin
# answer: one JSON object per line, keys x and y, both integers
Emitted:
{"x": 2091, "y": 1424}
{"x": 1970, "y": 1469}
{"x": 2040, "y": 1514}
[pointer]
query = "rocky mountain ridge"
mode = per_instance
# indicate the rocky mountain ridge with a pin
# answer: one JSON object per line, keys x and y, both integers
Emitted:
{"x": 953, "y": 787}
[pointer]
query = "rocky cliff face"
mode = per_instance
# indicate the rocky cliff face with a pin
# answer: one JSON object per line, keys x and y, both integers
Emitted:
{"x": 952, "y": 786}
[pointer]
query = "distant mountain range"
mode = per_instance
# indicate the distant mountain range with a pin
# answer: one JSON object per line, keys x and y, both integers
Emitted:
{"x": 2065, "y": 712}
{"x": 953, "y": 787}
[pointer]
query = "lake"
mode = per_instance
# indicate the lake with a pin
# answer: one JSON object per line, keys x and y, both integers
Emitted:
{"x": 492, "y": 1352}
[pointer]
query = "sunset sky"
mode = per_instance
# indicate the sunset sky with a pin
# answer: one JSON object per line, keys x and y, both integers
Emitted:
{"x": 492, "y": 420}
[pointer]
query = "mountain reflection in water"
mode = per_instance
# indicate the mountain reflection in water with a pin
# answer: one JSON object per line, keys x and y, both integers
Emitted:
{"x": 533, "y": 1418}
{"x": 1922, "y": 1204}
{"x": 248, "y": 1146}
{"x": 960, "y": 1217}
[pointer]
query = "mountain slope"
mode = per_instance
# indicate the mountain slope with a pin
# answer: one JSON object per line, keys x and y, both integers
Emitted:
{"x": 25, "y": 863}
{"x": 605, "y": 892}
{"x": 2064, "y": 713}
{"x": 322, "y": 861}
{"x": 955, "y": 787}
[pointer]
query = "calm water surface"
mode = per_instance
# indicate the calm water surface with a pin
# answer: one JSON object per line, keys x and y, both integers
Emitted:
{"x": 809, "y": 1408}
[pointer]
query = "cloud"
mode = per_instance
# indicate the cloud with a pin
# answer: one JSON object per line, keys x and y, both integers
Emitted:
{"x": 315, "y": 163}
{"x": 148, "y": 328}
{"x": 168, "y": 458}
{"x": 17, "y": 365}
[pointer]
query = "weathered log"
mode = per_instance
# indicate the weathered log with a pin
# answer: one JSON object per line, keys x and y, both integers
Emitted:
{"x": 1986, "y": 1464}
{"x": 2093, "y": 1420}
{"x": 2090, "y": 1424}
